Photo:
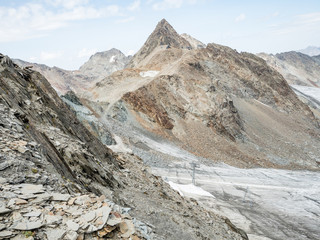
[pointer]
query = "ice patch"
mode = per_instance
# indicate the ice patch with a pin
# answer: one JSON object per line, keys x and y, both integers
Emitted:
{"x": 189, "y": 189}
{"x": 149, "y": 73}
{"x": 112, "y": 59}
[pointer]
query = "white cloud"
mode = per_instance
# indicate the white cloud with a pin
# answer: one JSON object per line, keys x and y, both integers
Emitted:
{"x": 240, "y": 18}
{"x": 34, "y": 20}
{"x": 50, "y": 55}
{"x": 67, "y": 4}
{"x": 125, "y": 20}
{"x": 167, "y": 4}
{"x": 86, "y": 52}
{"x": 134, "y": 6}
{"x": 310, "y": 18}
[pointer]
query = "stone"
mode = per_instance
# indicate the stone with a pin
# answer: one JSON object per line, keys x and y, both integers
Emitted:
{"x": 27, "y": 196}
{"x": 72, "y": 225}
{"x": 113, "y": 221}
{"x": 127, "y": 228}
{"x": 6, "y": 234}
{"x": 88, "y": 217}
{"x": 36, "y": 213}
{"x": 21, "y": 149}
{"x": 81, "y": 200}
{"x": 60, "y": 197}
{"x": 71, "y": 235}
{"x": 31, "y": 188}
{"x": 5, "y": 165}
{"x": 103, "y": 214}
{"x": 21, "y": 201}
{"x": 2, "y": 226}
{"x": 52, "y": 220}
{"x": 4, "y": 210}
{"x": 55, "y": 234}
{"x": 26, "y": 225}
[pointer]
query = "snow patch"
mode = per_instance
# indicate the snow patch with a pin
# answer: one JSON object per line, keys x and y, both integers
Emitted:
{"x": 189, "y": 189}
{"x": 149, "y": 73}
{"x": 112, "y": 59}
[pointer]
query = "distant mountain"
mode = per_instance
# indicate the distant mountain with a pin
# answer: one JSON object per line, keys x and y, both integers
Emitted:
{"x": 311, "y": 51}
{"x": 95, "y": 69}
{"x": 297, "y": 68}
{"x": 102, "y": 64}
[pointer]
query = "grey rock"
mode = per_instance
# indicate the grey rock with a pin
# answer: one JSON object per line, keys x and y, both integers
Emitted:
{"x": 2, "y": 226}
{"x": 33, "y": 214}
{"x": 6, "y": 234}
{"x": 31, "y": 189}
{"x": 71, "y": 236}
{"x": 72, "y": 225}
{"x": 56, "y": 234}
{"x": 26, "y": 225}
{"x": 88, "y": 217}
{"x": 60, "y": 197}
{"x": 4, "y": 210}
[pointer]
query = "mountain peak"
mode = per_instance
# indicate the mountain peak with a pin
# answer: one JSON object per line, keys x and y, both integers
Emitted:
{"x": 163, "y": 34}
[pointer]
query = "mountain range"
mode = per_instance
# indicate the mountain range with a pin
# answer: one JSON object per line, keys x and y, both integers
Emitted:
{"x": 136, "y": 129}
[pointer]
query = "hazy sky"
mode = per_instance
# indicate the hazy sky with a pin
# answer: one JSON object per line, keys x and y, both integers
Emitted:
{"x": 65, "y": 33}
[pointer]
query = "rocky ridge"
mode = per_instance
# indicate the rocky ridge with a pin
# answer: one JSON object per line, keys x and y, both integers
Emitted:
{"x": 58, "y": 155}
{"x": 297, "y": 68}
{"x": 95, "y": 69}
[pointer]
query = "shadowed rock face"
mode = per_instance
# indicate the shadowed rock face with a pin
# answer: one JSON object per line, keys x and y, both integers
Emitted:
{"x": 42, "y": 142}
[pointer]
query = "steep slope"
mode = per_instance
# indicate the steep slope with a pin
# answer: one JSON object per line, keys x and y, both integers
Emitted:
{"x": 163, "y": 35}
{"x": 195, "y": 43}
{"x": 216, "y": 103}
{"x": 42, "y": 142}
{"x": 297, "y": 68}
{"x": 96, "y": 68}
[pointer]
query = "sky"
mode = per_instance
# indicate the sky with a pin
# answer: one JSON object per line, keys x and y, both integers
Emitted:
{"x": 65, "y": 33}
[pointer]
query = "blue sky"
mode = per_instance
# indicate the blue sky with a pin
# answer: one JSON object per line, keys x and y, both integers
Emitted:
{"x": 65, "y": 33}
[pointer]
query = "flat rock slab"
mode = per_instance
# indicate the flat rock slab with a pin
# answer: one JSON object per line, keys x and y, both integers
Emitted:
{"x": 25, "y": 226}
{"x": 72, "y": 225}
{"x": 31, "y": 189}
{"x": 56, "y": 234}
{"x": 4, "y": 210}
{"x": 33, "y": 214}
{"x": 60, "y": 197}
{"x": 6, "y": 234}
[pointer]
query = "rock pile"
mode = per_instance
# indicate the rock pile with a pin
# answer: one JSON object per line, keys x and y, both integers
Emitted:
{"x": 36, "y": 212}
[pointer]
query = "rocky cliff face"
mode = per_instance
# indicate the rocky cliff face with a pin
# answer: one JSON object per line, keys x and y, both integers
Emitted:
{"x": 95, "y": 69}
{"x": 50, "y": 163}
{"x": 297, "y": 68}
